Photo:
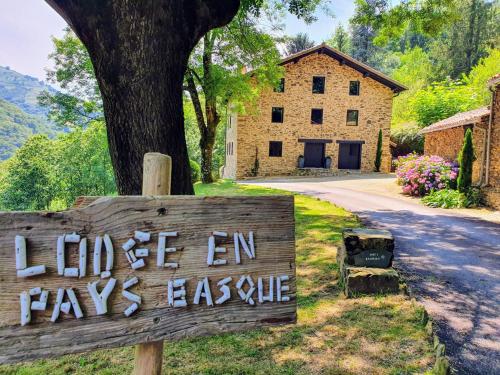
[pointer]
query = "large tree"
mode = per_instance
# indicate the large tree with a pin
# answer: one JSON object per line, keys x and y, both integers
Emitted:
{"x": 216, "y": 76}
{"x": 363, "y": 31}
{"x": 340, "y": 39}
{"x": 298, "y": 43}
{"x": 139, "y": 51}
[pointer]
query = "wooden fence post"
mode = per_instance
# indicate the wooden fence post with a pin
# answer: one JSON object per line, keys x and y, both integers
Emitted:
{"x": 156, "y": 179}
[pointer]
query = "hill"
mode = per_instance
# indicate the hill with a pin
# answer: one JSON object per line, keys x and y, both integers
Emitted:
{"x": 20, "y": 114}
{"x": 22, "y": 90}
{"x": 16, "y": 126}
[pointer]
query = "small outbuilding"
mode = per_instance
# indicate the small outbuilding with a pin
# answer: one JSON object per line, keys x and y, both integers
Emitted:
{"x": 445, "y": 138}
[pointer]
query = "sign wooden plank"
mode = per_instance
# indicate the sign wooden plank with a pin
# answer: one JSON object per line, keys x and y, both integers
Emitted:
{"x": 160, "y": 315}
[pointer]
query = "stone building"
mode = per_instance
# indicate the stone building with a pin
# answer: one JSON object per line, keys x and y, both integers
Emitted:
{"x": 325, "y": 116}
{"x": 445, "y": 138}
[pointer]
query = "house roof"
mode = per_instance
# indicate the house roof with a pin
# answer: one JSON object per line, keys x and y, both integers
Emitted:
{"x": 460, "y": 119}
{"x": 343, "y": 58}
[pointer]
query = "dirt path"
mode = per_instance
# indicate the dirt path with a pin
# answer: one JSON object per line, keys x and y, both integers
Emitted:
{"x": 451, "y": 259}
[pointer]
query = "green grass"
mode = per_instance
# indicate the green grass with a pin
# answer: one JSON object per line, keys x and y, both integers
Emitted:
{"x": 333, "y": 335}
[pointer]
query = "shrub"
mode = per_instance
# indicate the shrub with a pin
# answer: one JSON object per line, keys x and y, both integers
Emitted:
{"x": 407, "y": 139}
{"x": 195, "y": 171}
{"x": 420, "y": 175}
{"x": 466, "y": 158}
{"x": 448, "y": 198}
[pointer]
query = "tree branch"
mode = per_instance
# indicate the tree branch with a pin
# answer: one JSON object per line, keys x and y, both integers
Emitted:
{"x": 195, "y": 99}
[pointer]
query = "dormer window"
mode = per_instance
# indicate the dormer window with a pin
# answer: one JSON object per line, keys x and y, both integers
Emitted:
{"x": 318, "y": 85}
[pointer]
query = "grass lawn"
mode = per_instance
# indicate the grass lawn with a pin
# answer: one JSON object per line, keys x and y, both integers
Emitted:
{"x": 333, "y": 335}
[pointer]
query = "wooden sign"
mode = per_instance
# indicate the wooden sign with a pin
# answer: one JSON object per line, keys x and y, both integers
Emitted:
{"x": 126, "y": 270}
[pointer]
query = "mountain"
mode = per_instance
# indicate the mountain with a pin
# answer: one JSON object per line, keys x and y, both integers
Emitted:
{"x": 16, "y": 126}
{"x": 20, "y": 114}
{"x": 22, "y": 90}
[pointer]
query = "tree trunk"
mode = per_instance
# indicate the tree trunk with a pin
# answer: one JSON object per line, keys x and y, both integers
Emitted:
{"x": 139, "y": 50}
{"x": 208, "y": 121}
{"x": 207, "y": 149}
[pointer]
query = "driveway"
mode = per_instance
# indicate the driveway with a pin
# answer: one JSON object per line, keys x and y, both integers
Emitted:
{"x": 450, "y": 259}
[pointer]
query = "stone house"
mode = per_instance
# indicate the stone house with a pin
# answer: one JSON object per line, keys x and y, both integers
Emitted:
{"x": 445, "y": 138}
{"x": 324, "y": 116}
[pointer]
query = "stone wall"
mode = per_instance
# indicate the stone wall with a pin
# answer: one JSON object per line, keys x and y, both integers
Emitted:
{"x": 229, "y": 169}
{"x": 255, "y": 129}
{"x": 492, "y": 192}
{"x": 447, "y": 143}
{"x": 494, "y": 170}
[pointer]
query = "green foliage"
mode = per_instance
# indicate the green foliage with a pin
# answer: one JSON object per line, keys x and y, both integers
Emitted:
{"x": 378, "y": 156}
{"x": 466, "y": 159}
{"x": 478, "y": 77}
{"x": 81, "y": 102}
{"x": 363, "y": 32}
{"x": 445, "y": 198}
{"x": 448, "y": 198}
{"x": 29, "y": 180}
{"x": 46, "y": 173}
{"x": 195, "y": 171}
{"x": 302, "y": 9}
{"x": 298, "y": 43}
{"x": 215, "y": 79}
{"x": 427, "y": 17}
{"x": 465, "y": 41}
{"x": 414, "y": 70}
{"x": 17, "y": 126}
{"x": 425, "y": 103}
{"x": 340, "y": 39}
{"x": 407, "y": 139}
{"x": 442, "y": 100}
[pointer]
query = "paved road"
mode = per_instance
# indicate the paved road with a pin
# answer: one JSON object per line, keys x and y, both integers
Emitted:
{"x": 451, "y": 262}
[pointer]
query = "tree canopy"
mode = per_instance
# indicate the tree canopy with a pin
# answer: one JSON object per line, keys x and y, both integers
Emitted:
{"x": 298, "y": 43}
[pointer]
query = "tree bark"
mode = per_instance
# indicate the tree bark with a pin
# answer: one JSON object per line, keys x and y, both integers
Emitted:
{"x": 140, "y": 50}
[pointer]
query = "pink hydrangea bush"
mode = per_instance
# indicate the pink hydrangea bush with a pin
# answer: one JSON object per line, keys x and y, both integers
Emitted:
{"x": 420, "y": 175}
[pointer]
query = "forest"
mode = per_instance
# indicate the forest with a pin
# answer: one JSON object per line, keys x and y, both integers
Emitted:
{"x": 444, "y": 55}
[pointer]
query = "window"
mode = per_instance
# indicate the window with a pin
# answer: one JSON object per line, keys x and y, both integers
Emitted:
{"x": 275, "y": 149}
{"x": 352, "y": 117}
{"x": 318, "y": 85}
{"x": 229, "y": 148}
{"x": 317, "y": 116}
{"x": 281, "y": 86}
{"x": 354, "y": 88}
{"x": 277, "y": 114}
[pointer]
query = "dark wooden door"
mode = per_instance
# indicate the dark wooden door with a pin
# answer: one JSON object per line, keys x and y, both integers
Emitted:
{"x": 314, "y": 154}
{"x": 349, "y": 155}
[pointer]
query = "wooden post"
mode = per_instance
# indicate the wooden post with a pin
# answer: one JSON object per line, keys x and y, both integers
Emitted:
{"x": 157, "y": 174}
{"x": 156, "y": 179}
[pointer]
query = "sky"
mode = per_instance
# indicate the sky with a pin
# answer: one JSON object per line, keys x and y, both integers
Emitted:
{"x": 26, "y": 27}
